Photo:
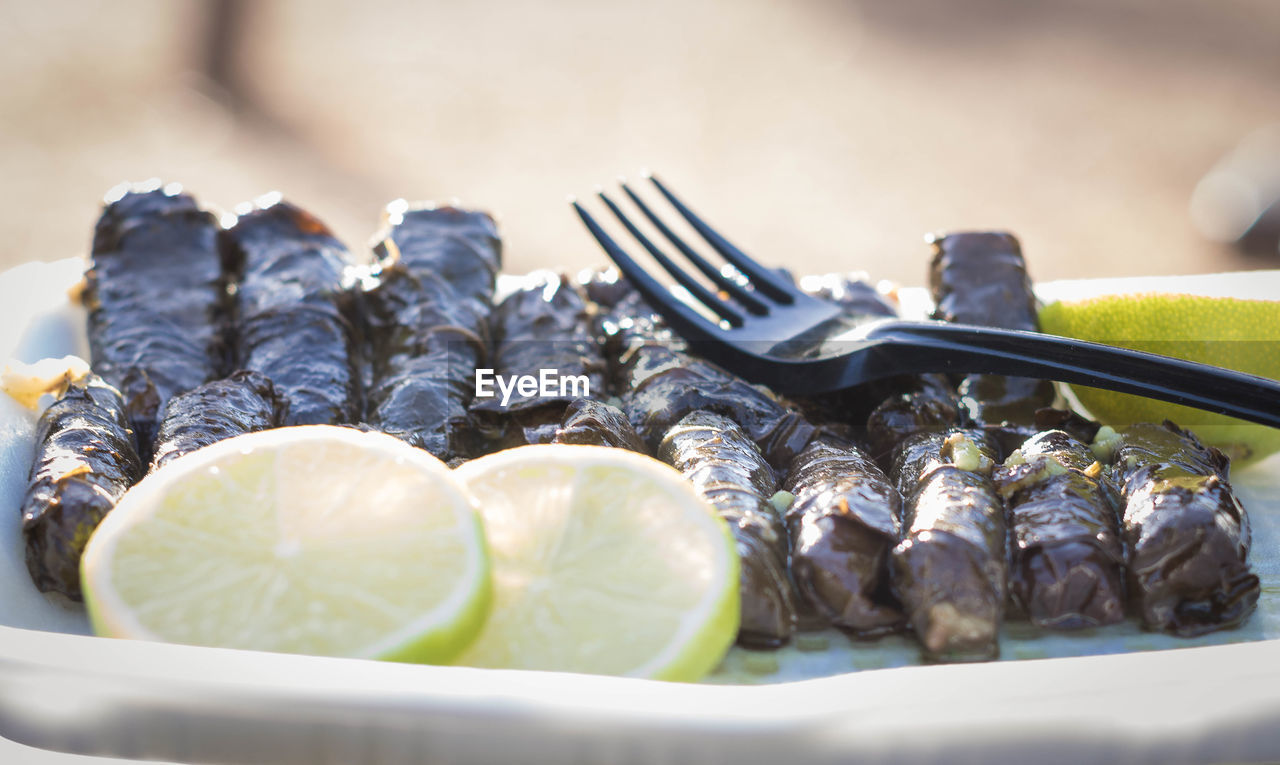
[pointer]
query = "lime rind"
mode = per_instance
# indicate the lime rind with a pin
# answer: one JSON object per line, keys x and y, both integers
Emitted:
{"x": 702, "y": 640}
{"x": 703, "y": 644}
{"x": 441, "y": 634}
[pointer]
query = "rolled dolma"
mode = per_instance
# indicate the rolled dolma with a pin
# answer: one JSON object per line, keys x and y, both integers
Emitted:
{"x": 1008, "y": 436}
{"x": 597, "y": 424}
{"x": 544, "y": 332}
{"x": 245, "y": 402}
{"x": 970, "y": 449}
{"x": 1067, "y": 569}
{"x": 843, "y": 524}
{"x": 294, "y": 310}
{"x": 844, "y": 519}
{"x": 426, "y": 324}
{"x": 157, "y": 300}
{"x": 605, "y": 287}
{"x": 1165, "y": 448}
{"x": 981, "y": 278}
{"x": 1188, "y": 536}
{"x": 660, "y": 381}
{"x": 949, "y": 571}
{"x": 86, "y": 458}
{"x": 1078, "y": 427}
{"x": 845, "y": 412}
{"x": 854, "y": 293}
{"x": 929, "y": 406}
{"x": 727, "y": 469}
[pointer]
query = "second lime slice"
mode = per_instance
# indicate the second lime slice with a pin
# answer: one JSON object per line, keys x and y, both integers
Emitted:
{"x": 605, "y": 561}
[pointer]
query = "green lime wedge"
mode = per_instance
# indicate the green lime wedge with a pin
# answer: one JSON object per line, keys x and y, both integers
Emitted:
{"x": 1228, "y": 332}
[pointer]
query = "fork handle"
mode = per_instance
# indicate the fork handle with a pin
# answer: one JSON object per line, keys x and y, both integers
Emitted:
{"x": 915, "y": 347}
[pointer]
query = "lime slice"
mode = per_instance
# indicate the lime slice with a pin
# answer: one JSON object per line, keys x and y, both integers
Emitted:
{"x": 1228, "y": 332}
{"x": 311, "y": 539}
{"x": 604, "y": 561}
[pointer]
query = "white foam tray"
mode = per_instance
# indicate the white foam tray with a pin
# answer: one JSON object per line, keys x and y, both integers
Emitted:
{"x": 1117, "y": 695}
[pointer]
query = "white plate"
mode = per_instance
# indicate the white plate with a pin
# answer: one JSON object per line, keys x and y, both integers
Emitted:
{"x": 1116, "y": 694}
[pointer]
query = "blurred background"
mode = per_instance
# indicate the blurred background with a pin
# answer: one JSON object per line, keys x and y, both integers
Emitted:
{"x": 821, "y": 134}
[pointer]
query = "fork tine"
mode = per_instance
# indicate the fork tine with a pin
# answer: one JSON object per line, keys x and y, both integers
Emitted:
{"x": 765, "y": 281}
{"x": 704, "y": 295}
{"x": 748, "y": 300}
{"x": 687, "y": 319}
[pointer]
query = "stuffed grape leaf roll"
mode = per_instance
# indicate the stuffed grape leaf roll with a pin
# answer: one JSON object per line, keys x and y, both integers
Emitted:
{"x": 854, "y": 293}
{"x": 544, "y": 331}
{"x": 245, "y": 402}
{"x": 426, "y": 324}
{"x": 950, "y": 570}
{"x": 157, "y": 299}
{"x": 727, "y": 469}
{"x": 981, "y": 278}
{"x": 1067, "y": 568}
{"x": 929, "y": 405}
{"x": 843, "y": 524}
{"x": 86, "y": 459}
{"x": 597, "y": 423}
{"x": 660, "y": 381}
{"x": 1187, "y": 533}
{"x": 294, "y": 310}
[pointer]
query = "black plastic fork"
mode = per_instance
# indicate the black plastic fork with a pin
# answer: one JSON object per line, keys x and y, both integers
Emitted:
{"x": 761, "y": 326}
